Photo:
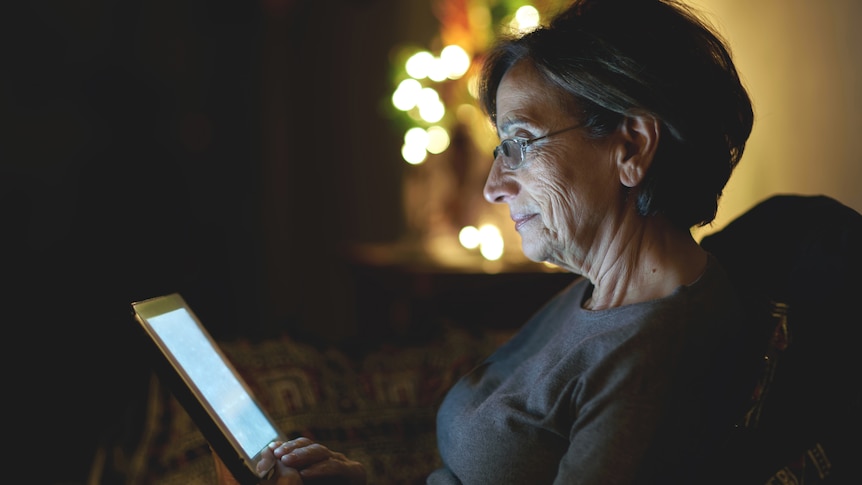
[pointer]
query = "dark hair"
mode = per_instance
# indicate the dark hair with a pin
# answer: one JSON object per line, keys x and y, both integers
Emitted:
{"x": 619, "y": 57}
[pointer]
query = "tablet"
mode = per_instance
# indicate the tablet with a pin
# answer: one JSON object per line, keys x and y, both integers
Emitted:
{"x": 188, "y": 360}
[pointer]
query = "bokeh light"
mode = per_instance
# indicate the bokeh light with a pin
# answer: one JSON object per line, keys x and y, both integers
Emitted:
{"x": 419, "y": 64}
{"x": 469, "y": 237}
{"x": 438, "y": 139}
{"x": 406, "y": 95}
{"x": 526, "y": 19}
{"x": 491, "y": 245}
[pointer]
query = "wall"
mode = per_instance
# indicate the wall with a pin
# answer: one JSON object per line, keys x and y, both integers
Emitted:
{"x": 801, "y": 62}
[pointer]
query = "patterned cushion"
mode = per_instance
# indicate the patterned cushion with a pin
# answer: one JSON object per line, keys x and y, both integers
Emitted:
{"x": 378, "y": 408}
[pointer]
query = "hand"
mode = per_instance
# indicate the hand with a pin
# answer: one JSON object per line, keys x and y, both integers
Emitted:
{"x": 316, "y": 463}
{"x": 283, "y": 475}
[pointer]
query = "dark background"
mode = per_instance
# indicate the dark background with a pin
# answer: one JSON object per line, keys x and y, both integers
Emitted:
{"x": 230, "y": 150}
{"x": 225, "y": 149}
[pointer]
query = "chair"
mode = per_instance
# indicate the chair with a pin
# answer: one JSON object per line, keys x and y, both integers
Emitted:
{"x": 797, "y": 262}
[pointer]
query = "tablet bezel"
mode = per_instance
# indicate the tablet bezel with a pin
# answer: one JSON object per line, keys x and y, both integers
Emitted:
{"x": 242, "y": 465}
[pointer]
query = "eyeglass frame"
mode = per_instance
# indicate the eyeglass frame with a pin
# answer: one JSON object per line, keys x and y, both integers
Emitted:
{"x": 523, "y": 143}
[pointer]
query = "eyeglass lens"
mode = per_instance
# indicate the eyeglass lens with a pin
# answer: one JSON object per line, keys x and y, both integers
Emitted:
{"x": 511, "y": 152}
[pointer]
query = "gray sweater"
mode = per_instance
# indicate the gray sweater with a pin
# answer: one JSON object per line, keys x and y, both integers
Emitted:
{"x": 636, "y": 394}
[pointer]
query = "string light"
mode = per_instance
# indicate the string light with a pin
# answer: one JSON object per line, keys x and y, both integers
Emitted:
{"x": 418, "y": 96}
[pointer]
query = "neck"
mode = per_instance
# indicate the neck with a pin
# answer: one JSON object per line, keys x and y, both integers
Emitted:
{"x": 650, "y": 263}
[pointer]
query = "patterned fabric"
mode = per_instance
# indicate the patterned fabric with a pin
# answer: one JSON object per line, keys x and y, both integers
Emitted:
{"x": 378, "y": 408}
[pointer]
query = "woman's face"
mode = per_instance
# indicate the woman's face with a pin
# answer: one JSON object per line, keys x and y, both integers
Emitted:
{"x": 565, "y": 198}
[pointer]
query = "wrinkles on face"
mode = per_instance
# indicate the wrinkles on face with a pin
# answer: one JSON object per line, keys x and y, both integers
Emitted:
{"x": 572, "y": 183}
{"x": 567, "y": 182}
{"x": 552, "y": 190}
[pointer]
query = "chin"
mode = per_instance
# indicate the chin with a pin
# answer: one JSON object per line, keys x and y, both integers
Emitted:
{"x": 532, "y": 254}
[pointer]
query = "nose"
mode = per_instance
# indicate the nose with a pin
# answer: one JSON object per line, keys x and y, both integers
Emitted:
{"x": 498, "y": 186}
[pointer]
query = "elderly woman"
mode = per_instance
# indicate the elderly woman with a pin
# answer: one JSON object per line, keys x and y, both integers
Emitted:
{"x": 620, "y": 124}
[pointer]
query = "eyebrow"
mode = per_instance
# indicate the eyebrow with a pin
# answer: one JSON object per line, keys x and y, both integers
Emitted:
{"x": 506, "y": 124}
{"x": 509, "y": 122}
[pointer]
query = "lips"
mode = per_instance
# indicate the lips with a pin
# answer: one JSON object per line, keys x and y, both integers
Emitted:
{"x": 521, "y": 219}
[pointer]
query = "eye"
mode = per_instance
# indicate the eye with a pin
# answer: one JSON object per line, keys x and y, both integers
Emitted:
{"x": 511, "y": 149}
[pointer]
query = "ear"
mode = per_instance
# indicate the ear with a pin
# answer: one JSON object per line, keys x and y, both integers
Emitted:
{"x": 640, "y": 135}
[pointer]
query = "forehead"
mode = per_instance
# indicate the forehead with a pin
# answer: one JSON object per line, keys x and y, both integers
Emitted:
{"x": 525, "y": 98}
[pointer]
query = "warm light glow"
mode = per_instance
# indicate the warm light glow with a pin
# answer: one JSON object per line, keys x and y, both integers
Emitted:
{"x": 469, "y": 237}
{"x": 526, "y": 19}
{"x": 415, "y": 148}
{"x": 438, "y": 139}
{"x": 456, "y": 61}
{"x": 452, "y": 63}
{"x": 413, "y": 154}
{"x": 437, "y": 70}
{"x": 431, "y": 108}
{"x": 419, "y": 64}
{"x": 407, "y": 94}
{"x": 428, "y": 95}
{"x": 436, "y": 93}
{"x": 473, "y": 86}
{"x": 480, "y": 15}
{"x": 491, "y": 245}
{"x": 487, "y": 238}
{"x": 416, "y": 136}
{"x": 467, "y": 113}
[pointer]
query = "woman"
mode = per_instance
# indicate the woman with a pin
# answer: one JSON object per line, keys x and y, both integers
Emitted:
{"x": 620, "y": 124}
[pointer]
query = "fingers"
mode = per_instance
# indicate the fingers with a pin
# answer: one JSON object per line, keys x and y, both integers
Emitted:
{"x": 282, "y": 448}
{"x": 302, "y": 452}
{"x": 314, "y": 460}
{"x": 267, "y": 459}
{"x": 282, "y": 474}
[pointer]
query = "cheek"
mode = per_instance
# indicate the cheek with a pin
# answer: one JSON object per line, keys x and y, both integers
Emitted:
{"x": 555, "y": 190}
{"x": 568, "y": 189}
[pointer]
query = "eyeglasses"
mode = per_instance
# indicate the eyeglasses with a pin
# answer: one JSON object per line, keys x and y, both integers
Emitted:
{"x": 513, "y": 151}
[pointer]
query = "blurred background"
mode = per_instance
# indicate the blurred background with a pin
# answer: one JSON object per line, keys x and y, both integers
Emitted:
{"x": 253, "y": 155}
